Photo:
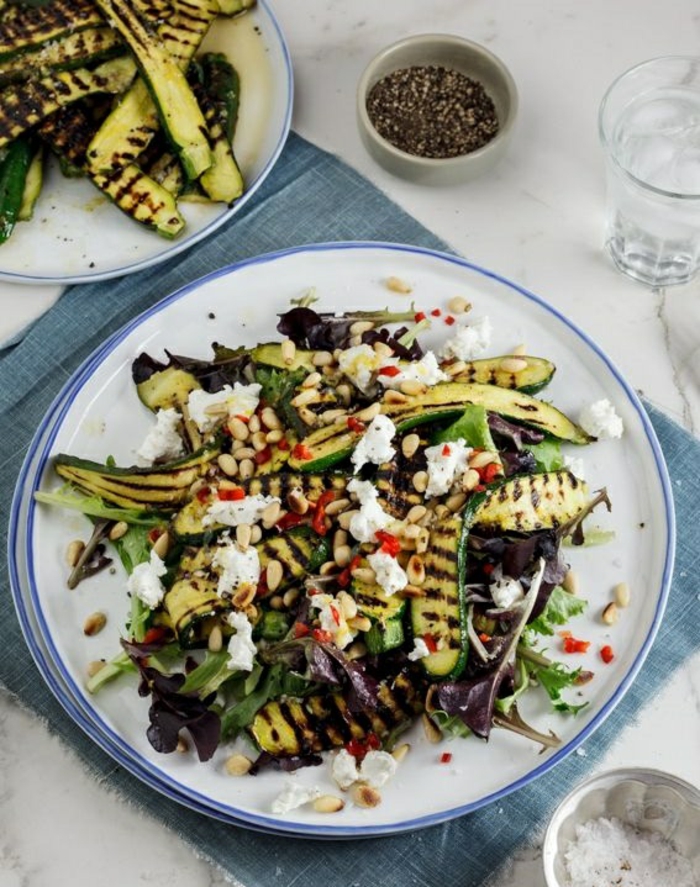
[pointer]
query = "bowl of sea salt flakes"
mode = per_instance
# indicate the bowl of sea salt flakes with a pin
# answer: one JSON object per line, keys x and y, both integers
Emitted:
{"x": 631, "y": 827}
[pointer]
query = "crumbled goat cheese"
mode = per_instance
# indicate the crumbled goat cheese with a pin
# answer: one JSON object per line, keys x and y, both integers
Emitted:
{"x": 420, "y": 650}
{"x": 370, "y": 517}
{"x": 241, "y": 648}
{"x": 294, "y": 795}
{"x": 469, "y": 341}
{"x": 144, "y": 581}
{"x": 241, "y": 400}
{"x": 236, "y": 567}
{"x": 163, "y": 441}
{"x": 232, "y": 512}
{"x": 332, "y": 619}
{"x": 506, "y": 592}
{"x": 425, "y": 370}
{"x": 377, "y": 768}
{"x": 446, "y": 463}
{"x": 575, "y": 466}
{"x": 344, "y": 769}
{"x": 359, "y": 364}
{"x": 389, "y": 572}
{"x": 601, "y": 420}
{"x": 375, "y": 444}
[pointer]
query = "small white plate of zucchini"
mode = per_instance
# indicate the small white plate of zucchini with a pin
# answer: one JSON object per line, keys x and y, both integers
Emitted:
{"x": 422, "y": 572}
{"x": 130, "y": 131}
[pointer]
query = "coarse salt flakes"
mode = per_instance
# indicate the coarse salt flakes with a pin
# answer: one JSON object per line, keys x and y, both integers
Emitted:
{"x": 607, "y": 852}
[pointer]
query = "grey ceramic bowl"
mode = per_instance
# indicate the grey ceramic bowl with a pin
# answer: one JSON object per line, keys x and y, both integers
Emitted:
{"x": 648, "y": 800}
{"x": 452, "y": 52}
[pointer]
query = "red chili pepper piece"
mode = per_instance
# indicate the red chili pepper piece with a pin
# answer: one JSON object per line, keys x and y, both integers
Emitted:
{"x": 263, "y": 456}
{"x": 301, "y": 630}
{"x": 154, "y": 635}
{"x": 230, "y": 494}
{"x": 446, "y": 757}
{"x": 446, "y": 450}
{"x": 574, "y": 645}
{"x": 335, "y": 614}
{"x": 449, "y": 320}
{"x": 301, "y": 452}
{"x": 489, "y": 472}
{"x": 607, "y": 654}
{"x": 345, "y": 575}
{"x": 484, "y": 638}
{"x": 242, "y": 417}
{"x": 488, "y": 569}
{"x": 430, "y": 643}
{"x": 358, "y": 748}
{"x": 318, "y": 521}
{"x": 436, "y": 312}
{"x": 154, "y": 535}
{"x": 419, "y": 316}
{"x": 288, "y": 520}
{"x": 322, "y": 636}
{"x": 203, "y": 494}
{"x": 390, "y": 544}
{"x": 283, "y": 444}
{"x": 388, "y": 371}
{"x": 355, "y": 425}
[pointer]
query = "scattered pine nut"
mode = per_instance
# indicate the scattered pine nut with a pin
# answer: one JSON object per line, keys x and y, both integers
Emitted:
{"x": 621, "y": 593}
{"x": 288, "y": 351}
{"x": 95, "y": 666}
{"x": 413, "y": 387}
{"x": 513, "y": 365}
{"x": 245, "y": 594}
{"x": 366, "y": 796}
{"x": 409, "y": 445}
{"x": 244, "y": 534}
{"x": 161, "y": 545}
{"x": 420, "y": 481}
{"x": 74, "y": 552}
{"x": 391, "y": 395}
{"x": 118, "y": 530}
{"x": 400, "y": 752}
{"x": 322, "y": 358}
{"x": 215, "y": 641}
{"x": 237, "y": 765}
{"x": 397, "y": 285}
{"x": 238, "y": 428}
{"x": 274, "y": 574}
{"x": 571, "y": 583}
{"x": 328, "y": 804}
{"x": 228, "y": 464}
{"x": 94, "y": 623}
{"x": 609, "y": 615}
{"x": 458, "y": 305}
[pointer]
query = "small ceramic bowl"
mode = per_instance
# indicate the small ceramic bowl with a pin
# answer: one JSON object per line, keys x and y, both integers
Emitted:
{"x": 453, "y": 53}
{"x": 647, "y": 800}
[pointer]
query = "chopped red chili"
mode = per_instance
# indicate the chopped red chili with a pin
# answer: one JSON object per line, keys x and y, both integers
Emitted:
{"x": 301, "y": 630}
{"x": 607, "y": 654}
{"x": 288, "y": 520}
{"x": 355, "y": 424}
{"x": 301, "y": 452}
{"x": 488, "y": 472}
{"x": 430, "y": 643}
{"x": 318, "y": 522}
{"x": 322, "y": 636}
{"x": 436, "y": 312}
{"x": 283, "y": 444}
{"x": 335, "y": 614}
{"x": 263, "y": 456}
{"x": 484, "y": 638}
{"x": 154, "y": 535}
{"x": 446, "y": 757}
{"x": 203, "y": 494}
{"x": 388, "y": 371}
{"x": 419, "y": 316}
{"x": 449, "y": 320}
{"x": 574, "y": 645}
{"x": 154, "y": 635}
{"x": 345, "y": 575}
{"x": 446, "y": 450}
{"x": 390, "y": 544}
{"x": 230, "y": 494}
{"x": 358, "y": 748}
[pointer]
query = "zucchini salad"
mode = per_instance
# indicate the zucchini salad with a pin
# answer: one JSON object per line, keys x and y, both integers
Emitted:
{"x": 336, "y": 534}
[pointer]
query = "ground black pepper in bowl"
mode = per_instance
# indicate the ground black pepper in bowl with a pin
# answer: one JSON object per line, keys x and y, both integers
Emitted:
{"x": 432, "y": 111}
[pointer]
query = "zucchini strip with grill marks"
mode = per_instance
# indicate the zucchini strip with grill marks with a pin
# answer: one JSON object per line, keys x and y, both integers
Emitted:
{"x": 68, "y": 133}
{"x": 25, "y": 27}
{"x": 14, "y": 168}
{"x": 130, "y": 127}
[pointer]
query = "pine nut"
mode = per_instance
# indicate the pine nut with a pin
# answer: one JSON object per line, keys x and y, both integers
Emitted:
{"x": 369, "y": 413}
{"x": 411, "y": 591}
{"x": 482, "y": 459}
{"x": 244, "y": 534}
{"x": 237, "y": 445}
{"x": 226, "y": 484}
{"x": 455, "y": 368}
{"x": 382, "y": 349}
{"x": 415, "y": 570}
{"x": 313, "y": 380}
{"x": 246, "y": 468}
{"x": 409, "y": 445}
{"x": 94, "y": 667}
{"x": 162, "y": 544}
{"x": 342, "y": 555}
{"x": 391, "y": 395}
{"x": 276, "y": 602}
{"x": 74, "y": 552}
{"x": 470, "y": 480}
{"x": 238, "y": 428}
{"x": 422, "y": 541}
{"x": 455, "y": 502}
{"x": 274, "y": 436}
{"x": 215, "y": 641}
{"x": 255, "y": 534}
{"x": 94, "y": 623}
{"x": 290, "y": 597}
{"x": 274, "y": 574}
{"x": 571, "y": 582}
{"x": 328, "y": 804}
{"x": 420, "y": 481}
{"x": 412, "y": 387}
{"x": 228, "y": 464}
{"x": 364, "y": 574}
{"x": 335, "y": 506}
{"x": 441, "y": 511}
{"x": 346, "y": 517}
{"x": 259, "y": 440}
{"x": 348, "y": 604}
{"x": 397, "y": 285}
{"x": 238, "y": 765}
{"x": 308, "y": 417}
{"x": 245, "y": 593}
{"x": 254, "y": 424}
{"x": 359, "y": 327}
{"x": 432, "y": 732}
{"x": 121, "y": 528}
{"x": 308, "y": 395}
{"x": 622, "y": 594}
{"x": 297, "y": 501}
{"x": 366, "y": 796}
{"x": 360, "y": 623}
{"x": 458, "y": 305}
{"x": 328, "y": 568}
{"x": 182, "y": 746}
{"x": 251, "y": 611}
{"x": 270, "y": 419}
{"x": 356, "y": 650}
{"x": 321, "y": 358}
{"x": 330, "y": 417}
{"x": 513, "y": 365}
{"x": 609, "y": 615}
{"x": 344, "y": 392}
{"x": 400, "y": 752}
{"x": 416, "y": 513}
{"x": 270, "y": 515}
{"x": 288, "y": 350}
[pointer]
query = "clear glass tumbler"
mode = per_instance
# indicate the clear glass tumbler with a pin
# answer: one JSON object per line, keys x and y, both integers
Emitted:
{"x": 649, "y": 126}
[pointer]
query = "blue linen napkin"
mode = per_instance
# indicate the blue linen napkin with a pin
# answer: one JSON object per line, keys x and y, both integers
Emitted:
{"x": 310, "y": 197}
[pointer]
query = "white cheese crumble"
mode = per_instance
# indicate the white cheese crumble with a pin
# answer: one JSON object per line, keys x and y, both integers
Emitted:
{"x": 236, "y": 567}
{"x": 163, "y": 441}
{"x": 294, "y": 795}
{"x": 332, "y": 619}
{"x": 389, "y": 572}
{"x": 446, "y": 463}
{"x": 232, "y": 512}
{"x": 425, "y": 370}
{"x": 600, "y": 420}
{"x": 469, "y": 341}
{"x": 359, "y": 364}
{"x": 370, "y": 517}
{"x": 344, "y": 769}
{"x": 144, "y": 581}
{"x": 377, "y": 768}
{"x": 241, "y": 648}
{"x": 375, "y": 444}
{"x": 241, "y": 400}
{"x": 506, "y": 592}
{"x": 420, "y": 650}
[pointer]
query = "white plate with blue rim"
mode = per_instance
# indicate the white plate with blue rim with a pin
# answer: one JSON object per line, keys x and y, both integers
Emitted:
{"x": 98, "y": 415}
{"x": 77, "y": 236}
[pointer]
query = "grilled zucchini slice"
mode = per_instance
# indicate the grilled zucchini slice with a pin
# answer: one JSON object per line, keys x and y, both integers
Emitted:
{"x": 385, "y": 612}
{"x": 530, "y": 376}
{"x": 25, "y": 27}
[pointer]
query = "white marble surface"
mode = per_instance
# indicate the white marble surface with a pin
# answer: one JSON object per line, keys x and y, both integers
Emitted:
{"x": 537, "y": 219}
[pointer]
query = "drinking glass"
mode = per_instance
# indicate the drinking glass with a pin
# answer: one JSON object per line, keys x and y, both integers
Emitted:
{"x": 649, "y": 126}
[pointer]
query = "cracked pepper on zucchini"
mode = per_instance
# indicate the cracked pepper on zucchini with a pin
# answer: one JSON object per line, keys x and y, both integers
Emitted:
{"x": 119, "y": 91}
{"x": 340, "y": 533}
